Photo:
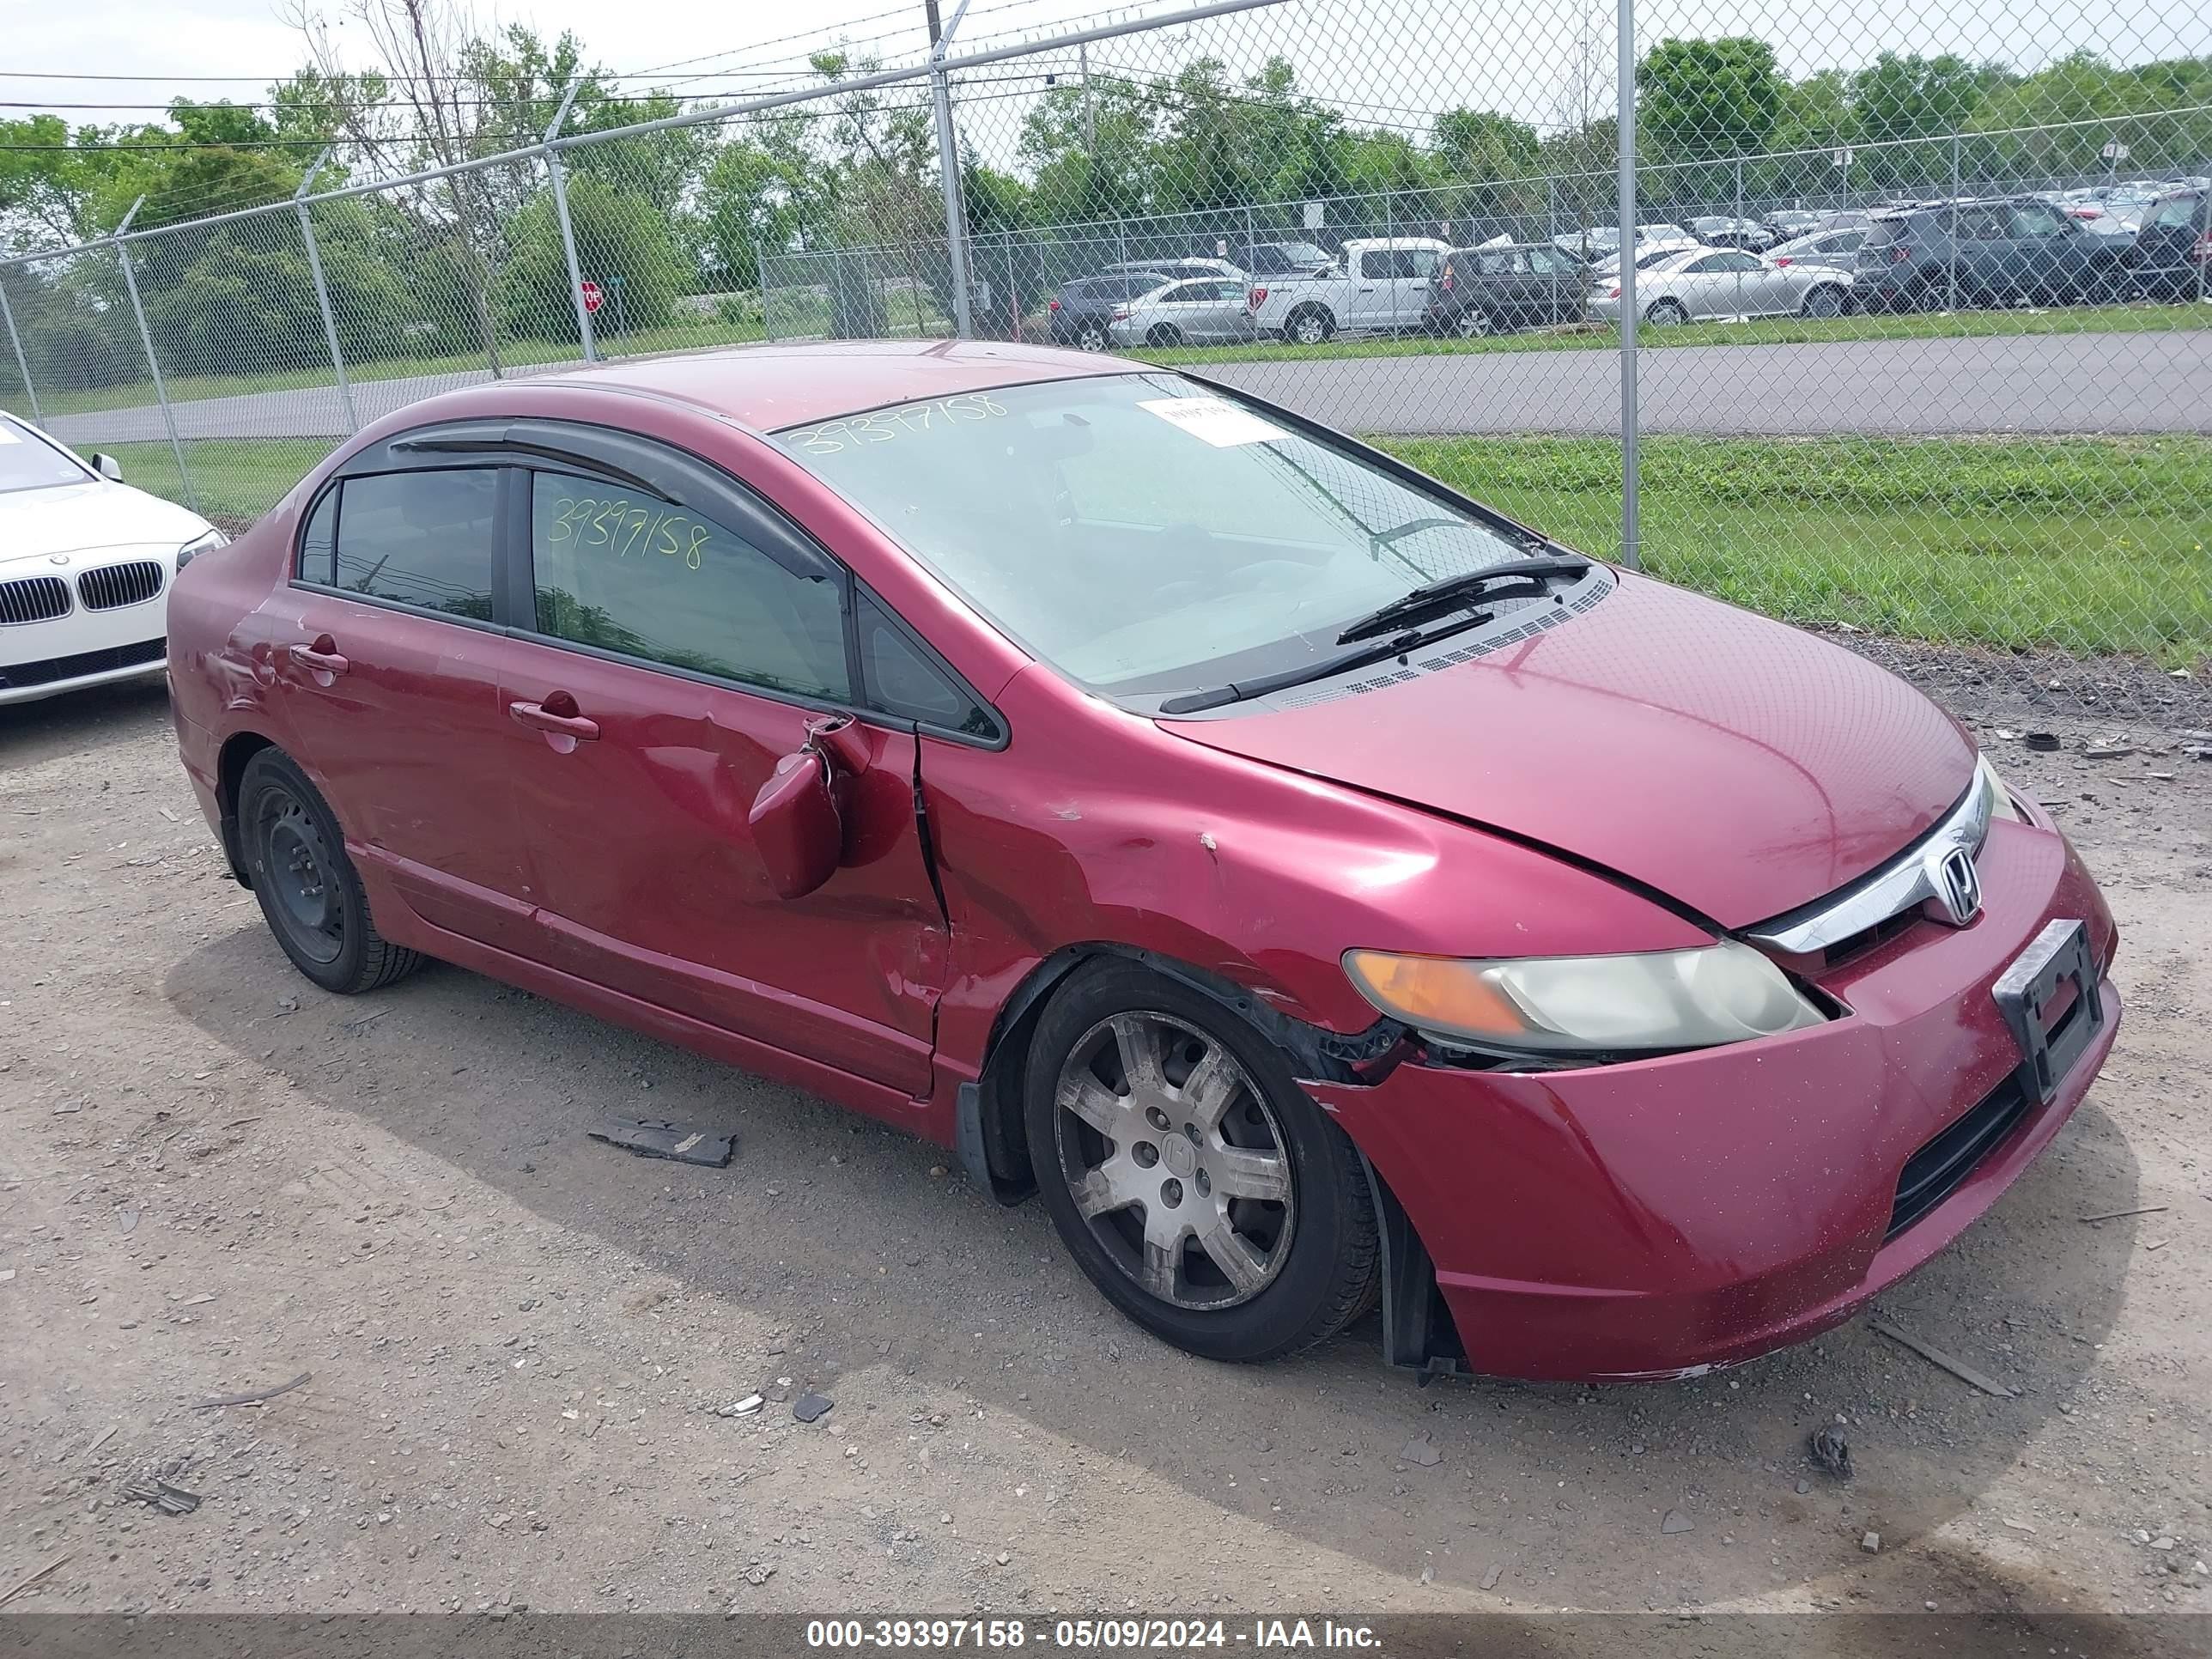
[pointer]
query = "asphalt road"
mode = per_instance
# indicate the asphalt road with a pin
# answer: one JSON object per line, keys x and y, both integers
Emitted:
{"x": 2054, "y": 383}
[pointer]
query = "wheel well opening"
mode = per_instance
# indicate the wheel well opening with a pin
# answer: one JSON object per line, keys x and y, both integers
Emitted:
{"x": 230, "y": 768}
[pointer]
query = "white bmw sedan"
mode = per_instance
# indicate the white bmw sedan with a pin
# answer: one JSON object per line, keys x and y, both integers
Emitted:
{"x": 1702, "y": 282}
{"x": 85, "y": 563}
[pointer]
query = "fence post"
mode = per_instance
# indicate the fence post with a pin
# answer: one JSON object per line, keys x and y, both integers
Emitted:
{"x": 567, "y": 230}
{"x": 323, "y": 289}
{"x": 1629, "y": 554}
{"x": 760, "y": 263}
{"x": 153, "y": 363}
{"x": 1954, "y": 222}
{"x": 948, "y": 176}
{"x": 1013, "y": 298}
{"x": 22, "y": 363}
{"x": 1739, "y": 190}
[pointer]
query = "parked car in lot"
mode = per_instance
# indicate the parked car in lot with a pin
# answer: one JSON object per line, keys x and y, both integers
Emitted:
{"x": 1723, "y": 230}
{"x": 1836, "y": 249}
{"x": 1285, "y": 258}
{"x": 84, "y": 560}
{"x": 2171, "y": 258}
{"x": 1082, "y": 311}
{"x": 2013, "y": 251}
{"x": 1714, "y": 282}
{"x": 1278, "y": 862}
{"x": 1494, "y": 289}
{"x": 1382, "y": 284}
{"x": 1210, "y": 310}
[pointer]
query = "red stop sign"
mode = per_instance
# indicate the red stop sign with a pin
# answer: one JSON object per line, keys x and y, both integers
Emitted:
{"x": 593, "y": 297}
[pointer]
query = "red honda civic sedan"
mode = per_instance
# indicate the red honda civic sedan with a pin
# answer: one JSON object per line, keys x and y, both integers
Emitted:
{"x": 1313, "y": 884}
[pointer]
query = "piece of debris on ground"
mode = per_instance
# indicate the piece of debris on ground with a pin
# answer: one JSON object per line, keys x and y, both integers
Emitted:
{"x": 1831, "y": 1452}
{"x": 658, "y": 1138}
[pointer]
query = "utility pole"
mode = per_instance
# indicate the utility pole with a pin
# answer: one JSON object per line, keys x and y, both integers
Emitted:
{"x": 1089, "y": 110}
{"x": 948, "y": 167}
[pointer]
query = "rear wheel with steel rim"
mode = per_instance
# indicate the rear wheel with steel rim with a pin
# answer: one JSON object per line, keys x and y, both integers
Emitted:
{"x": 1197, "y": 1186}
{"x": 310, "y": 894}
{"x": 1666, "y": 313}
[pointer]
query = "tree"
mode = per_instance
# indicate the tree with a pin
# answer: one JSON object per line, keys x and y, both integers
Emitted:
{"x": 618, "y": 235}
{"x": 1698, "y": 100}
{"x": 1914, "y": 97}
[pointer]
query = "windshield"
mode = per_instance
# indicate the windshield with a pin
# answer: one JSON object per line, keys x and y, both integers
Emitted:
{"x": 1140, "y": 532}
{"x": 28, "y": 462}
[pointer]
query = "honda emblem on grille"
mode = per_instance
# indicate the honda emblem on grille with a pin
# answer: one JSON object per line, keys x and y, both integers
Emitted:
{"x": 1958, "y": 886}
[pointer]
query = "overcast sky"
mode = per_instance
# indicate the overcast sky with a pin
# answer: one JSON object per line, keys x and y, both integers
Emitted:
{"x": 1390, "y": 62}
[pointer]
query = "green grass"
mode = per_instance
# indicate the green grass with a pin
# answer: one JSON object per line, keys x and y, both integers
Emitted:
{"x": 2085, "y": 545}
{"x": 235, "y": 480}
{"x": 2135, "y": 319}
{"x": 514, "y": 354}
{"x": 2088, "y": 545}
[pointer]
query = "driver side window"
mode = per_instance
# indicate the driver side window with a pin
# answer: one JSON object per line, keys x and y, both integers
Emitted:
{"x": 632, "y": 574}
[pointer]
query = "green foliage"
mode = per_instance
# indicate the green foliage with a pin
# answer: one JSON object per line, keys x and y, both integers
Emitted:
{"x": 617, "y": 235}
{"x": 1704, "y": 98}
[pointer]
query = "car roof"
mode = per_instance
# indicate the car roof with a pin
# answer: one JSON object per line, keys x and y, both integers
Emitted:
{"x": 766, "y": 387}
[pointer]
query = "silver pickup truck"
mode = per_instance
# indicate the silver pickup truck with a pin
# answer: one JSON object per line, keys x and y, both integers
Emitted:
{"x": 1381, "y": 285}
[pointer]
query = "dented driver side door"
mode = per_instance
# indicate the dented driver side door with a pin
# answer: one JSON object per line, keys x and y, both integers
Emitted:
{"x": 679, "y": 651}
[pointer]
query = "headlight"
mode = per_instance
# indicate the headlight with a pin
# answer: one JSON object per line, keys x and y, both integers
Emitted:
{"x": 1993, "y": 791}
{"x": 199, "y": 545}
{"x": 1721, "y": 993}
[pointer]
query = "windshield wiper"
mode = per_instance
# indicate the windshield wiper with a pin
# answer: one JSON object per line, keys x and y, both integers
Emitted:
{"x": 1319, "y": 668}
{"x": 1450, "y": 593}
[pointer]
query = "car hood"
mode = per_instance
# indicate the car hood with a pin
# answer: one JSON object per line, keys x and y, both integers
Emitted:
{"x": 77, "y": 517}
{"x": 1735, "y": 765}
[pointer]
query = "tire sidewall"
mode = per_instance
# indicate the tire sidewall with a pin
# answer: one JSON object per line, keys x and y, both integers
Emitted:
{"x": 273, "y": 767}
{"x": 1282, "y": 1318}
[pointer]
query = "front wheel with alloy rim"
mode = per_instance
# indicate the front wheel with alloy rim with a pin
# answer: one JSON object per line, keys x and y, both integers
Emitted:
{"x": 1091, "y": 337}
{"x": 1311, "y": 325}
{"x": 1196, "y": 1185}
{"x": 1826, "y": 300}
{"x": 1475, "y": 322}
{"x": 310, "y": 894}
{"x": 1665, "y": 313}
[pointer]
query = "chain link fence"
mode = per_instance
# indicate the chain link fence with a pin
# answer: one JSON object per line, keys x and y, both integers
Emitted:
{"x": 1913, "y": 346}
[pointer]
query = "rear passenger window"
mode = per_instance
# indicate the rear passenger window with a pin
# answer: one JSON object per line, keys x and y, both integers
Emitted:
{"x": 632, "y": 574}
{"x": 420, "y": 538}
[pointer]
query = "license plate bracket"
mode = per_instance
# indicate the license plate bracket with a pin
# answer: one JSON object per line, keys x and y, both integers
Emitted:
{"x": 2026, "y": 993}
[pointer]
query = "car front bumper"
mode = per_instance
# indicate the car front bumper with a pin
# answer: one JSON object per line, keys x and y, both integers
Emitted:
{"x": 1663, "y": 1217}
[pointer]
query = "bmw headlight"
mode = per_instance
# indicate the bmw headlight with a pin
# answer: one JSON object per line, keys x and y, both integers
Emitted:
{"x": 199, "y": 545}
{"x": 1725, "y": 992}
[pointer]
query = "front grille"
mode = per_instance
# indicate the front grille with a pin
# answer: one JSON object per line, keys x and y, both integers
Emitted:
{"x": 35, "y": 599}
{"x": 17, "y": 676}
{"x": 114, "y": 586}
{"x": 1940, "y": 1168}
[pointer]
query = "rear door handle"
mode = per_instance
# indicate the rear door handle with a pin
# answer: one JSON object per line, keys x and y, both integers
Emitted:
{"x": 322, "y": 657}
{"x": 554, "y": 723}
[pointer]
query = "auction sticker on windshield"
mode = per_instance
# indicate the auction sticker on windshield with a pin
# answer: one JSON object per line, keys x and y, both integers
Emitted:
{"x": 1216, "y": 420}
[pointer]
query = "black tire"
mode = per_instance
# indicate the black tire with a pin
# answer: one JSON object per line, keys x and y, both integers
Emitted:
{"x": 1826, "y": 300}
{"x": 1313, "y": 320}
{"x": 311, "y": 895}
{"x": 1474, "y": 323}
{"x": 1162, "y": 337}
{"x": 1329, "y": 1274}
{"x": 1091, "y": 337}
{"x": 1666, "y": 313}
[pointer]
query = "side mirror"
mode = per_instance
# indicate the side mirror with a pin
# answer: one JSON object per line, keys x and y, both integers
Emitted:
{"x": 798, "y": 818}
{"x": 107, "y": 466}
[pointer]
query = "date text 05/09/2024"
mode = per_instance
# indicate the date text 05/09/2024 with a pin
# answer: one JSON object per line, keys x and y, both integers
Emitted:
{"x": 1139, "y": 1635}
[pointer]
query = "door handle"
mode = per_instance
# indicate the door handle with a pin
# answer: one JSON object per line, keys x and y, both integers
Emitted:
{"x": 554, "y": 722}
{"x": 320, "y": 658}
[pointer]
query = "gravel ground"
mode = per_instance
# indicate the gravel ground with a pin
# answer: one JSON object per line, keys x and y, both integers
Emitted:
{"x": 520, "y": 1344}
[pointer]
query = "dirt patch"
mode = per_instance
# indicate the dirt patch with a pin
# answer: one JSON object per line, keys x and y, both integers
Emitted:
{"x": 524, "y": 1346}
